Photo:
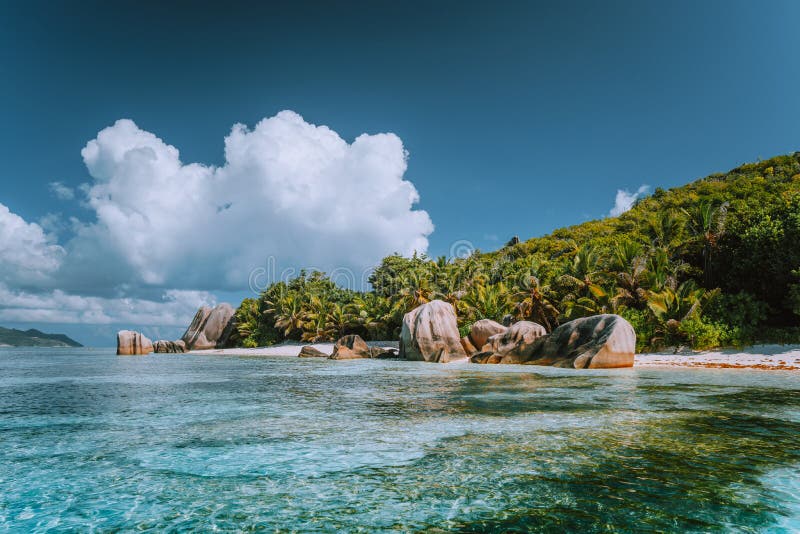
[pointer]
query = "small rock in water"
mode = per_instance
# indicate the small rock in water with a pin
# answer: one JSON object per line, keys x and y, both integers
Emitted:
{"x": 381, "y": 353}
{"x": 350, "y": 347}
{"x": 169, "y": 347}
{"x": 310, "y": 352}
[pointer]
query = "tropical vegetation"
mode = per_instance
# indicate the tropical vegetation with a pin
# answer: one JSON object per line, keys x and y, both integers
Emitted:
{"x": 715, "y": 262}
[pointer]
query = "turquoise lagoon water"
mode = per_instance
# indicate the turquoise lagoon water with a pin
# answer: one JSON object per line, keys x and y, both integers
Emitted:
{"x": 90, "y": 441}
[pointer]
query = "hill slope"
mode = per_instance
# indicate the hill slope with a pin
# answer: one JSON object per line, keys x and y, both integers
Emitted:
{"x": 34, "y": 338}
{"x": 714, "y": 262}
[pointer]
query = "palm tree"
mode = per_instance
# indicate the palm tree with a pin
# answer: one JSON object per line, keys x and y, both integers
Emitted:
{"x": 707, "y": 225}
{"x": 372, "y": 313}
{"x": 416, "y": 290}
{"x": 535, "y": 305}
{"x": 581, "y": 275}
{"x": 630, "y": 285}
{"x": 247, "y": 321}
{"x": 665, "y": 229}
{"x": 661, "y": 273}
{"x": 600, "y": 302}
{"x": 671, "y": 307}
{"x": 486, "y": 301}
{"x": 623, "y": 254}
{"x": 289, "y": 313}
{"x": 339, "y": 319}
{"x": 316, "y": 329}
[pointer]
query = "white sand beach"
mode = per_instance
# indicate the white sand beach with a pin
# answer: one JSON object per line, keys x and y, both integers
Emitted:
{"x": 769, "y": 357}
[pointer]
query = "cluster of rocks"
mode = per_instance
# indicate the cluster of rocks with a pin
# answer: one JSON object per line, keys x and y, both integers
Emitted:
{"x": 210, "y": 328}
{"x": 430, "y": 333}
{"x": 350, "y": 347}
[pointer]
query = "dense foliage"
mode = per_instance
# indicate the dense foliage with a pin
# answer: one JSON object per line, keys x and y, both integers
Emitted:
{"x": 715, "y": 262}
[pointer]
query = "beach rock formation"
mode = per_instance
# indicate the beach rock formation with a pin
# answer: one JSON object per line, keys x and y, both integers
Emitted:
{"x": 468, "y": 347}
{"x": 208, "y": 327}
{"x": 310, "y": 352}
{"x": 169, "y": 347}
{"x": 350, "y": 347}
{"x": 482, "y": 330}
{"x": 597, "y": 342}
{"x": 381, "y": 353}
{"x": 513, "y": 345}
{"x": 430, "y": 333}
{"x": 130, "y": 343}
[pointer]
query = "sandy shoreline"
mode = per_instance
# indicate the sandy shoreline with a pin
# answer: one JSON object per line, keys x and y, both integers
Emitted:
{"x": 768, "y": 357}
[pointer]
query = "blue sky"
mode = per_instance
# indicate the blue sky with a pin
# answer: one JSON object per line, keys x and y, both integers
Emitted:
{"x": 518, "y": 118}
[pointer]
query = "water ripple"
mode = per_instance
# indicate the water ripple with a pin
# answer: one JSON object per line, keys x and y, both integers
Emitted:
{"x": 95, "y": 442}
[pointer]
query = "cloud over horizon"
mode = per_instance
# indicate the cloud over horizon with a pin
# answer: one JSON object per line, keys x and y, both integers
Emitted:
{"x": 625, "y": 199}
{"x": 165, "y": 229}
{"x": 28, "y": 255}
{"x": 60, "y": 307}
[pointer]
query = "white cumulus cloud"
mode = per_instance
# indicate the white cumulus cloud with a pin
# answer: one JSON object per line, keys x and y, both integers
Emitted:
{"x": 27, "y": 254}
{"x": 288, "y": 189}
{"x": 625, "y": 199}
{"x": 165, "y": 234}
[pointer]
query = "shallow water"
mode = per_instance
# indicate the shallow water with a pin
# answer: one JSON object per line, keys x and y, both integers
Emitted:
{"x": 91, "y": 441}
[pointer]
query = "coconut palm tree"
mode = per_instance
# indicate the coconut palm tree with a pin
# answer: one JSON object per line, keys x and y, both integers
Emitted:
{"x": 248, "y": 317}
{"x": 316, "y": 329}
{"x": 486, "y": 301}
{"x": 706, "y": 222}
{"x": 630, "y": 285}
{"x": 665, "y": 229}
{"x": 671, "y": 307}
{"x": 290, "y": 314}
{"x": 534, "y": 303}
{"x": 623, "y": 254}
{"x": 416, "y": 289}
{"x": 582, "y": 272}
{"x": 599, "y": 302}
{"x": 339, "y": 319}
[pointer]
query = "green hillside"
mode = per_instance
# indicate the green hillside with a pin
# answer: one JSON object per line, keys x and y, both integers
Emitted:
{"x": 34, "y": 338}
{"x": 715, "y": 262}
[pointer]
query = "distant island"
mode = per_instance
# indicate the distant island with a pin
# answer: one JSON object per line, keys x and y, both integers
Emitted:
{"x": 11, "y": 337}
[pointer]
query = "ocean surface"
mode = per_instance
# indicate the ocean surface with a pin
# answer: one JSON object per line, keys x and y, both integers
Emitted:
{"x": 94, "y": 442}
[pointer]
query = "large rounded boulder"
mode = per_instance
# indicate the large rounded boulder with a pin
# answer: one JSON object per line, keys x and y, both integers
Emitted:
{"x": 209, "y": 327}
{"x": 596, "y": 342}
{"x": 430, "y": 334}
{"x": 130, "y": 343}
{"x": 481, "y": 331}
